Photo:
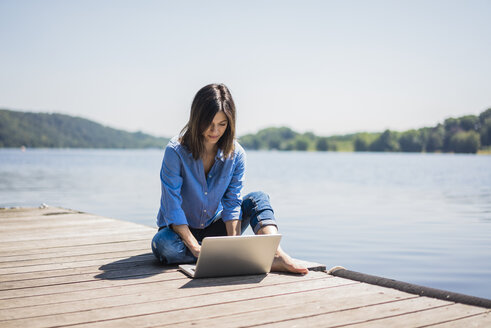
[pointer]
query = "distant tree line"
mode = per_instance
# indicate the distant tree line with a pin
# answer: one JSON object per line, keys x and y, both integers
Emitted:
{"x": 466, "y": 134}
{"x": 19, "y": 129}
{"x": 284, "y": 138}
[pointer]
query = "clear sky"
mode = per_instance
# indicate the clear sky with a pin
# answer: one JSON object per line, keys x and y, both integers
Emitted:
{"x": 324, "y": 66}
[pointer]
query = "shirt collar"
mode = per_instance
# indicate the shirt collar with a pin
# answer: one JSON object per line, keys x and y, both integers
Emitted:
{"x": 220, "y": 155}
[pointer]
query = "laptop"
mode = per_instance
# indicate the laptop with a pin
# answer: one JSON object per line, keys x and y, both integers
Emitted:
{"x": 234, "y": 255}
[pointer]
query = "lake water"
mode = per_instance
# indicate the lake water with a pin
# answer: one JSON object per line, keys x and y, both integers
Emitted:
{"x": 419, "y": 218}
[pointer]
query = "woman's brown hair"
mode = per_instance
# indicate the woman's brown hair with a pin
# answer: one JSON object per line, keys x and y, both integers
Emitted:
{"x": 208, "y": 101}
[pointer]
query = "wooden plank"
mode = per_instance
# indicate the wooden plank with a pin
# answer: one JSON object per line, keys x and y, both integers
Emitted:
{"x": 127, "y": 273}
{"x": 114, "y": 236}
{"x": 479, "y": 320}
{"x": 44, "y": 253}
{"x": 43, "y": 222}
{"x": 233, "y": 315}
{"x": 323, "y": 315}
{"x": 50, "y": 232}
{"x": 312, "y": 287}
{"x": 124, "y": 265}
{"x": 216, "y": 312}
{"x": 82, "y": 285}
{"x": 46, "y": 220}
{"x": 45, "y": 226}
{"x": 67, "y": 265}
{"x": 127, "y": 265}
{"x": 89, "y": 232}
{"x": 173, "y": 281}
{"x": 160, "y": 302}
{"x": 83, "y": 270}
{"x": 425, "y": 317}
{"x": 75, "y": 258}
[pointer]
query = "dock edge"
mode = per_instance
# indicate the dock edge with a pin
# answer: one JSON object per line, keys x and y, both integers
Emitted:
{"x": 411, "y": 288}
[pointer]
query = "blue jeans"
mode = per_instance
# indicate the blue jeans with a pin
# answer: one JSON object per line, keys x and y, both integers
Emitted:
{"x": 256, "y": 211}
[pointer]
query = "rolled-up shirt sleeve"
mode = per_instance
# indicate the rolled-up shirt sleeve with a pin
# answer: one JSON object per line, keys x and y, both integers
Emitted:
{"x": 232, "y": 199}
{"x": 171, "y": 183}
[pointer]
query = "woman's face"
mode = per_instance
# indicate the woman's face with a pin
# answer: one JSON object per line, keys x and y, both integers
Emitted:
{"x": 216, "y": 129}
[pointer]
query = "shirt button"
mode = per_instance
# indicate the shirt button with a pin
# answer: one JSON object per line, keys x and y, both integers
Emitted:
{"x": 209, "y": 176}
{"x": 204, "y": 211}
{"x": 202, "y": 224}
{"x": 206, "y": 193}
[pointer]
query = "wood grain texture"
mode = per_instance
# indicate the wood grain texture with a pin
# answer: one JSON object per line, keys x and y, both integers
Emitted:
{"x": 61, "y": 267}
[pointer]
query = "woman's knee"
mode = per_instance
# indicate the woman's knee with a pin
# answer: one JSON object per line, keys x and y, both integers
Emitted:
{"x": 257, "y": 196}
{"x": 168, "y": 247}
{"x": 256, "y": 208}
{"x": 256, "y": 201}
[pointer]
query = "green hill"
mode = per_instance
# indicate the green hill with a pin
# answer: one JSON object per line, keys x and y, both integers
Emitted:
{"x": 62, "y": 131}
{"x": 466, "y": 134}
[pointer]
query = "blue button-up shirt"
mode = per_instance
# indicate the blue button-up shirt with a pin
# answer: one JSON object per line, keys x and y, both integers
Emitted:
{"x": 189, "y": 197}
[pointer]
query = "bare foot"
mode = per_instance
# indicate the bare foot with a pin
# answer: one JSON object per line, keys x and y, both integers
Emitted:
{"x": 283, "y": 262}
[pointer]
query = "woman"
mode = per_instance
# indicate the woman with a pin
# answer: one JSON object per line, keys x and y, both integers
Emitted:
{"x": 202, "y": 177}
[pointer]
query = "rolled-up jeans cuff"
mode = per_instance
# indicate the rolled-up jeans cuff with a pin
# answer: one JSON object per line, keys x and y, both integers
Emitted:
{"x": 263, "y": 219}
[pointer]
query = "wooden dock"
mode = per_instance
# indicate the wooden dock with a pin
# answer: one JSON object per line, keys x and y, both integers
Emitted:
{"x": 61, "y": 267}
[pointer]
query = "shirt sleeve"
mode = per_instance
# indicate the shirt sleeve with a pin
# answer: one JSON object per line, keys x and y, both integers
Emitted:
{"x": 232, "y": 198}
{"x": 171, "y": 183}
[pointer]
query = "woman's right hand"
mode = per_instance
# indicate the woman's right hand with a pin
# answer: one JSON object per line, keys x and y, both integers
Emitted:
{"x": 188, "y": 238}
{"x": 195, "y": 250}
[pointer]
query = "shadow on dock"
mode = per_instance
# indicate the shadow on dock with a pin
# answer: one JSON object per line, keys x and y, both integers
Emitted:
{"x": 224, "y": 281}
{"x": 134, "y": 267}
